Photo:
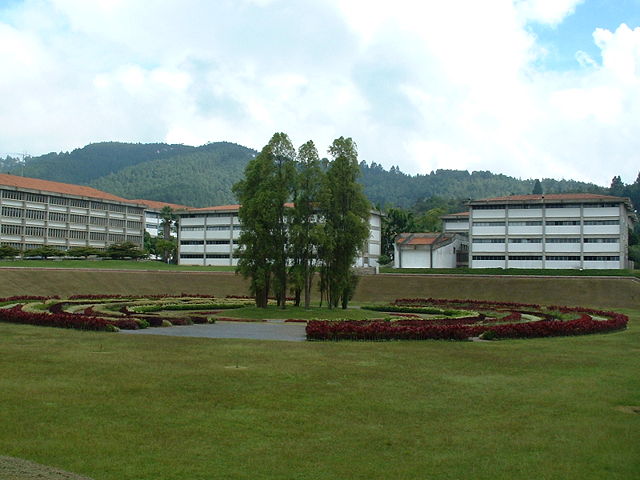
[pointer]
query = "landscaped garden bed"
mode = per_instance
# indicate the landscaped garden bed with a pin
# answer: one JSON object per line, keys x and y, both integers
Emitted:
{"x": 493, "y": 320}
{"x": 403, "y": 319}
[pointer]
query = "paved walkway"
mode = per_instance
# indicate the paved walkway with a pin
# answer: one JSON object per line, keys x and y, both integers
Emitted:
{"x": 292, "y": 332}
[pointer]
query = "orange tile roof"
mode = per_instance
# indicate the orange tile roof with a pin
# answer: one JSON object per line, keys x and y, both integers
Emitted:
{"x": 159, "y": 205}
{"x": 225, "y": 207}
{"x": 552, "y": 196}
{"x": 58, "y": 187}
{"x": 456, "y": 215}
{"x": 419, "y": 238}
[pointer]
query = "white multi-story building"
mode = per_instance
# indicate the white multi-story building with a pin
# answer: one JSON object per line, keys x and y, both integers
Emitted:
{"x": 209, "y": 236}
{"x": 570, "y": 231}
{"x": 152, "y": 217}
{"x": 36, "y": 213}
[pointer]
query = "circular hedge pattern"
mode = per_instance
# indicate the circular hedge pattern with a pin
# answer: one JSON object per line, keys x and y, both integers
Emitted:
{"x": 492, "y": 320}
{"x": 403, "y": 319}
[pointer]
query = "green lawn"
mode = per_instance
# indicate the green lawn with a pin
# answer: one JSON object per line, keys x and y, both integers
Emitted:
{"x": 301, "y": 313}
{"x": 111, "y": 264}
{"x": 117, "y": 407}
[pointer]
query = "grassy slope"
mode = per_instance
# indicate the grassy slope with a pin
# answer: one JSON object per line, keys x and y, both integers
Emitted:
{"x": 135, "y": 407}
{"x": 111, "y": 265}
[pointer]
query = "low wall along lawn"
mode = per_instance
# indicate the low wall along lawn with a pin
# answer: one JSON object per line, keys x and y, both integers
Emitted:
{"x": 595, "y": 292}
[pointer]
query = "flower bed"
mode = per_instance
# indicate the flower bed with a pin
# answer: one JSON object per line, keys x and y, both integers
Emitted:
{"x": 511, "y": 325}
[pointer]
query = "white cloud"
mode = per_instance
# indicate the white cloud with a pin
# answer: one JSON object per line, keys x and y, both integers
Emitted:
{"x": 423, "y": 85}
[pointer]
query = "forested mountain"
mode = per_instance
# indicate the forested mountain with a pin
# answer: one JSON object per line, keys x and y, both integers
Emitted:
{"x": 203, "y": 176}
{"x": 395, "y": 188}
{"x": 83, "y": 165}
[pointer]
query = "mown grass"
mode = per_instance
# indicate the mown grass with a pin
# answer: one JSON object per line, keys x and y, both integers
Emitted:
{"x": 273, "y": 312}
{"x": 119, "y": 407}
{"x": 514, "y": 271}
{"x": 113, "y": 265}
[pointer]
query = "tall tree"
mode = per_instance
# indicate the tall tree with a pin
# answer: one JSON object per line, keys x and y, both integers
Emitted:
{"x": 537, "y": 188}
{"x": 304, "y": 229}
{"x": 167, "y": 246}
{"x": 345, "y": 221}
{"x": 263, "y": 192}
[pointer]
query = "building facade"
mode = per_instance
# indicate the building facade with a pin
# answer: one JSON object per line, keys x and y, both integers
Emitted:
{"x": 429, "y": 250}
{"x": 209, "y": 236}
{"x": 553, "y": 231}
{"x": 36, "y": 213}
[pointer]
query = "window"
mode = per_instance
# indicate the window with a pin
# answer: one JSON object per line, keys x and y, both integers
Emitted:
{"x": 525, "y": 257}
{"x": 78, "y": 234}
{"x": 99, "y": 206}
{"x": 525, "y": 223}
{"x": 600, "y": 240}
{"x": 73, "y": 218}
{"x": 217, "y": 255}
{"x": 489, "y": 207}
{"x": 562, "y": 240}
{"x": 34, "y": 231}
{"x": 134, "y": 225}
{"x": 192, "y": 242}
{"x": 35, "y": 197}
{"x": 116, "y": 238}
{"x": 221, "y": 242}
{"x": 12, "y": 229}
{"x": 488, "y": 224}
{"x": 525, "y": 240}
{"x": 36, "y": 214}
{"x": 602, "y": 258}
{"x": 134, "y": 210}
{"x": 554, "y": 258}
{"x": 57, "y": 216}
{"x": 118, "y": 208}
{"x": 98, "y": 220}
{"x": 562, "y": 205}
{"x": 191, "y": 255}
{"x": 197, "y": 228}
{"x": 58, "y": 201}
{"x": 602, "y": 222}
{"x": 488, "y": 257}
{"x": 12, "y": 212}
{"x": 75, "y": 202}
{"x": 97, "y": 236}
{"x": 217, "y": 227}
{"x": 116, "y": 222}
{"x": 488, "y": 240}
{"x": 12, "y": 194}
{"x": 57, "y": 233}
{"x": 562, "y": 222}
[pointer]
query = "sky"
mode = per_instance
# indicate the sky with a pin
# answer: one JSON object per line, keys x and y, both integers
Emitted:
{"x": 527, "y": 88}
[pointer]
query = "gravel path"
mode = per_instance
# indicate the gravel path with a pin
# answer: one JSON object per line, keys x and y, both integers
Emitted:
{"x": 292, "y": 332}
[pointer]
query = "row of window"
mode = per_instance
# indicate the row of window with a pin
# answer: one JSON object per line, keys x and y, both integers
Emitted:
{"x": 208, "y": 242}
{"x": 526, "y": 206}
{"x": 590, "y": 258}
{"x": 71, "y": 218}
{"x": 538, "y": 223}
{"x": 209, "y": 228}
{"x": 210, "y": 215}
{"x": 202, "y": 256}
{"x": 547, "y": 240}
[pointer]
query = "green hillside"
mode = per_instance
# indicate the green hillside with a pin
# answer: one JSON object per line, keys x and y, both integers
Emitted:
{"x": 83, "y": 165}
{"x": 200, "y": 178}
{"x": 203, "y": 176}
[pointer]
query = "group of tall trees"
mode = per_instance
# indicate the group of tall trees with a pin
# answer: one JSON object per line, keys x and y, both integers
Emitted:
{"x": 301, "y": 215}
